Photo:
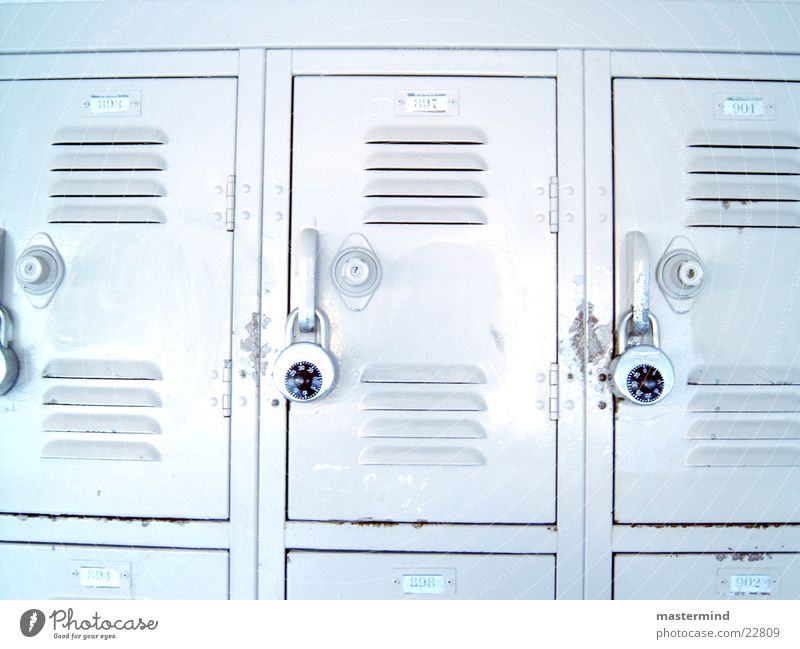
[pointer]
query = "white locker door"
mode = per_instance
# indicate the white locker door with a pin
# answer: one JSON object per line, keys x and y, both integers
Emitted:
{"x": 719, "y": 575}
{"x": 440, "y": 412}
{"x": 718, "y": 164}
{"x": 38, "y": 571}
{"x": 414, "y": 575}
{"x": 117, "y": 410}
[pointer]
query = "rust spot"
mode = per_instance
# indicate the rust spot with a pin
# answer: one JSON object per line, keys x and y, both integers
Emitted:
{"x": 375, "y": 523}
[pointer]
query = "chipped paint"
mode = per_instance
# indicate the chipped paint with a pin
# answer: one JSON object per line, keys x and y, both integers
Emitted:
{"x": 256, "y": 353}
{"x": 743, "y": 556}
{"x": 597, "y": 346}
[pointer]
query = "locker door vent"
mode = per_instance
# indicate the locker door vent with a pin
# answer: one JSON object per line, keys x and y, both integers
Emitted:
{"x": 100, "y": 399}
{"x": 107, "y": 176}
{"x": 425, "y": 176}
{"x": 744, "y": 425}
{"x": 743, "y": 183}
{"x": 426, "y": 404}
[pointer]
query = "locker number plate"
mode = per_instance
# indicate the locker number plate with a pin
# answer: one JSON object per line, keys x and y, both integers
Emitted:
{"x": 122, "y": 104}
{"x": 758, "y": 107}
{"x": 423, "y": 584}
{"x": 748, "y": 584}
{"x": 99, "y": 577}
{"x": 426, "y": 102}
{"x": 751, "y": 584}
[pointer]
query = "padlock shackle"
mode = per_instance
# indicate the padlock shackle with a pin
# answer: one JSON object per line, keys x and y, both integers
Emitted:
{"x": 321, "y": 328}
{"x": 6, "y": 327}
{"x": 624, "y": 325}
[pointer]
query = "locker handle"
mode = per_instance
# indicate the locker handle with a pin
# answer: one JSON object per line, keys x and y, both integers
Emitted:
{"x": 638, "y": 277}
{"x": 307, "y": 248}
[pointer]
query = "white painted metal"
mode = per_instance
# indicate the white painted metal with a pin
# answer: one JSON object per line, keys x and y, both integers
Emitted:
{"x": 275, "y": 297}
{"x": 723, "y": 447}
{"x": 571, "y": 327}
{"x": 597, "y": 324}
{"x": 246, "y": 370}
{"x": 31, "y": 571}
{"x": 346, "y": 575}
{"x": 414, "y": 537}
{"x": 118, "y": 410}
{"x": 666, "y": 25}
{"x": 707, "y": 576}
{"x": 431, "y": 418}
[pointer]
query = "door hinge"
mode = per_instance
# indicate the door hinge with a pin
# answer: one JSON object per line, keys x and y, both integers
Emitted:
{"x": 230, "y": 203}
{"x": 554, "y": 204}
{"x": 554, "y": 402}
{"x": 227, "y": 388}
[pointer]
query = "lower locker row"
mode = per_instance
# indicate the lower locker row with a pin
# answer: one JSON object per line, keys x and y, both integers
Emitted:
{"x": 42, "y": 571}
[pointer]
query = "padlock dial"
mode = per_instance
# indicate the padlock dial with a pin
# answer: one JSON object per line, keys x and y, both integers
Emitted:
{"x": 645, "y": 383}
{"x": 303, "y": 380}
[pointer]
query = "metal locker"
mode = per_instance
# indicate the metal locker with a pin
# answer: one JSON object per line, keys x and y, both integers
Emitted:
{"x": 707, "y": 174}
{"x": 724, "y": 575}
{"x": 39, "y": 571}
{"x": 117, "y": 275}
{"x": 436, "y": 273}
{"x": 412, "y": 575}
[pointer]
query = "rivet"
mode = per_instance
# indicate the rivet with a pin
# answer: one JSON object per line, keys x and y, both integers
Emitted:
{"x": 218, "y": 189}
{"x": 275, "y": 403}
{"x": 602, "y": 217}
{"x": 245, "y": 215}
{"x": 278, "y": 216}
{"x": 246, "y": 189}
{"x": 213, "y": 401}
{"x": 601, "y": 191}
{"x": 539, "y": 191}
{"x": 242, "y": 401}
{"x": 217, "y": 216}
{"x": 278, "y": 189}
{"x": 570, "y": 217}
{"x": 569, "y": 405}
{"x": 540, "y": 218}
{"x": 568, "y": 190}
{"x": 540, "y": 405}
{"x": 214, "y": 374}
{"x": 540, "y": 377}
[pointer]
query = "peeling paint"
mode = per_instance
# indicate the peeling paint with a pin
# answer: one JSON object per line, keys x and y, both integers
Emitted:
{"x": 743, "y": 556}
{"x": 597, "y": 347}
{"x": 256, "y": 353}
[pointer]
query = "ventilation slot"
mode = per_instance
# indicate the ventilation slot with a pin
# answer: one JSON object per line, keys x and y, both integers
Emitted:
{"x": 744, "y": 184}
{"x": 109, "y": 137}
{"x": 101, "y": 369}
{"x": 110, "y": 176}
{"x": 426, "y": 428}
{"x": 425, "y": 176}
{"x": 91, "y": 422}
{"x": 741, "y": 399}
{"x": 452, "y": 374}
{"x": 399, "y": 455}
{"x": 85, "y": 395}
{"x": 93, "y": 449}
{"x": 424, "y": 401}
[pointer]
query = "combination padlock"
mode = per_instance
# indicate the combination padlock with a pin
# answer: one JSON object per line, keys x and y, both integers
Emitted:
{"x": 305, "y": 371}
{"x": 641, "y": 373}
{"x": 9, "y": 366}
